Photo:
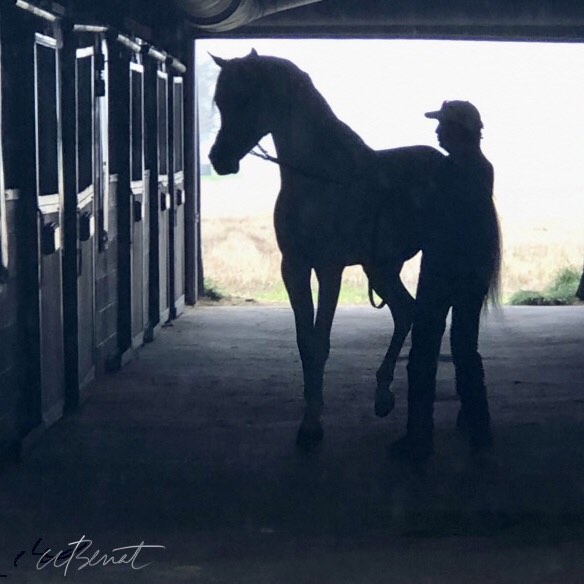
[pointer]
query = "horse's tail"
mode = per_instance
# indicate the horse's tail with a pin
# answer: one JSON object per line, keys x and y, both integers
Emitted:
{"x": 493, "y": 296}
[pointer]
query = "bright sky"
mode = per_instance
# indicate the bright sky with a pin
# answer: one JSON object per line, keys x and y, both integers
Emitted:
{"x": 530, "y": 95}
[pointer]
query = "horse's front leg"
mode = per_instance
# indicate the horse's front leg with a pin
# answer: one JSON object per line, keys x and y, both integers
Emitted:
{"x": 329, "y": 284}
{"x": 296, "y": 276}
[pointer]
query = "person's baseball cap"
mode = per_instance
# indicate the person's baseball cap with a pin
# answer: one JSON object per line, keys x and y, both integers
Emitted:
{"x": 463, "y": 113}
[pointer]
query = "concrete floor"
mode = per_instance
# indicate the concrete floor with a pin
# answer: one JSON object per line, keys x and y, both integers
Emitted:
{"x": 191, "y": 446}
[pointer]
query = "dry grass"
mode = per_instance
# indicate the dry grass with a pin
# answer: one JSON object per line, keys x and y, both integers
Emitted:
{"x": 242, "y": 259}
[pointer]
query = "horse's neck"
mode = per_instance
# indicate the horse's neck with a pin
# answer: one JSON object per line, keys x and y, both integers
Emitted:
{"x": 318, "y": 141}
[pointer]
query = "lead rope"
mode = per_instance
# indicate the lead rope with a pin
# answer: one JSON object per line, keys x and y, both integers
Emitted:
{"x": 264, "y": 155}
{"x": 372, "y": 299}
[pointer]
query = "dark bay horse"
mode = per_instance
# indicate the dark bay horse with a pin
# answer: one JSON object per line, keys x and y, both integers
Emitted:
{"x": 341, "y": 203}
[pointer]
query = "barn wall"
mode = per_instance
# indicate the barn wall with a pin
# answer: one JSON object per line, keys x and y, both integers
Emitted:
{"x": 12, "y": 359}
{"x": 19, "y": 310}
{"x": 34, "y": 392}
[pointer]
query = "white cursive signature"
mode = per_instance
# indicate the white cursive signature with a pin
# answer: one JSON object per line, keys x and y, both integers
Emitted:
{"x": 76, "y": 555}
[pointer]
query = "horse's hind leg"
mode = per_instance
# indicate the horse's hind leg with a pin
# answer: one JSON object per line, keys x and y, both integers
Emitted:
{"x": 390, "y": 288}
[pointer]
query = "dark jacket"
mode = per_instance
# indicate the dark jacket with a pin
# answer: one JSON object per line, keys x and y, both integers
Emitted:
{"x": 461, "y": 235}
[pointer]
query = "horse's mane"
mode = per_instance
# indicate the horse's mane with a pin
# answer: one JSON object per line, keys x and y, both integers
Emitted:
{"x": 304, "y": 90}
{"x": 300, "y": 89}
{"x": 316, "y": 105}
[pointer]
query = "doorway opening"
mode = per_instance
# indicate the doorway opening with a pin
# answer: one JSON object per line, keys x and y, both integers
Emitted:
{"x": 530, "y": 96}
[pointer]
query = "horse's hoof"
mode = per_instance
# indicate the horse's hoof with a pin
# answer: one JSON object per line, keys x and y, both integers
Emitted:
{"x": 384, "y": 403}
{"x": 309, "y": 439}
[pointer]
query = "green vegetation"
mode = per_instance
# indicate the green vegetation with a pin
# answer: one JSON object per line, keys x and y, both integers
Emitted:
{"x": 243, "y": 261}
{"x": 212, "y": 292}
{"x": 561, "y": 291}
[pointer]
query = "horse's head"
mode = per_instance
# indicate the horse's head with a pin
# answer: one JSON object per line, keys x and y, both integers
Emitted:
{"x": 240, "y": 97}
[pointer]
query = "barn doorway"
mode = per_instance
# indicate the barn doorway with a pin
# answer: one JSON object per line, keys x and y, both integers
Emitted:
{"x": 530, "y": 96}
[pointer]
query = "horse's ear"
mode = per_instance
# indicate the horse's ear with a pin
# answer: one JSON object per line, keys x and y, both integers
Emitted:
{"x": 253, "y": 54}
{"x": 219, "y": 61}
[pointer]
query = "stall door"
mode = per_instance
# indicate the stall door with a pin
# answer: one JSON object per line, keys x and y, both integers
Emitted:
{"x": 49, "y": 192}
{"x": 85, "y": 132}
{"x": 178, "y": 196}
{"x": 140, "y": 215}
{"x": 164, "y": 198}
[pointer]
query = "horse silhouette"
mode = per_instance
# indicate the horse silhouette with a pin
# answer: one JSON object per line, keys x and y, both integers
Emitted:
{"x": 341, "y": 203}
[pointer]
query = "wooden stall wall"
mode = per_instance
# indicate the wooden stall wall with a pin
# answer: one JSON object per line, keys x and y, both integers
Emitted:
{"x": 140, "y": 206}
{"x": 106, "y": 265}
{"x": 92, "y": 198}
{"x": 158, "y": 165}
{"x": 33, "y": 172}
{"x": 128, "y": 179}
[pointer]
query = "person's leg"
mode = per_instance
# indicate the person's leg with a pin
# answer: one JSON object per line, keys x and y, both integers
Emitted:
{"x": 432, "y": 305}
{"x": 470, "y": 383}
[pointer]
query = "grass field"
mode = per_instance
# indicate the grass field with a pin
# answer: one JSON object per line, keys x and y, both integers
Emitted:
{"x": 241, "y": 258}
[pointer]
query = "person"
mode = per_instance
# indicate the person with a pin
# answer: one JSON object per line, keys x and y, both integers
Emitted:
{"x": 459, "y": 271}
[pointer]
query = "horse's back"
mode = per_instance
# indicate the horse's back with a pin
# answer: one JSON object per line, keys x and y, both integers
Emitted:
{"x": 405, "y": 182}
{"x": 408, "y": 171}
{"x": 409, "y": 158}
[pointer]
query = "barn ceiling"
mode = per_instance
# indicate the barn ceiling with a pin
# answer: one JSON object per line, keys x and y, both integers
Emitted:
{"x": 531, "y": 19}
{"x": 168, "y": 22}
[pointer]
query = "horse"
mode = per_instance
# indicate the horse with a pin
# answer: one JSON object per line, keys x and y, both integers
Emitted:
{"x": 341, "y": 203}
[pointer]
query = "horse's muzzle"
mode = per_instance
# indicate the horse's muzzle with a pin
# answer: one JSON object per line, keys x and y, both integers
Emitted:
{"x": 223, "y": 165}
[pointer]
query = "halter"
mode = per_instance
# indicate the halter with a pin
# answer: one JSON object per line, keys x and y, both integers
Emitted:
{"x": 264, "y": 155}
